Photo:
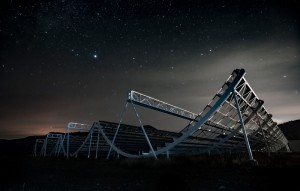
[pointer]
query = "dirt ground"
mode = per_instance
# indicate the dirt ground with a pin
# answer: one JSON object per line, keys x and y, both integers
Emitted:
{"x": 185, "y": 173}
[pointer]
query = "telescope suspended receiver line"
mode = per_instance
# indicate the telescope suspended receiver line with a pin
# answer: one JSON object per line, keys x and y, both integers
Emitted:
{"x": 152, "y": 103}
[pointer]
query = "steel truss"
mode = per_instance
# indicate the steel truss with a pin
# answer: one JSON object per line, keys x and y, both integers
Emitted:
{"x": 234, "y": 119}
{"x": 52, "y": 145}
{"x": 79, "y": 139}
{"x": 37, "y": 151}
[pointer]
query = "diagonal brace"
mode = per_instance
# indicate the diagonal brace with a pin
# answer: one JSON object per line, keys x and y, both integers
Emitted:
{"x": 146, "y": 136}
{"x": 243, "y": 126}
{"x": 260, "y": 103}
{"x": 117, "y": 130}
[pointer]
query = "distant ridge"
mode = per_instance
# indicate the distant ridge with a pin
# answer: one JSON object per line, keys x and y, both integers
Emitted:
{"x": 22, "y": 146}
{"x": 291, "y": 129}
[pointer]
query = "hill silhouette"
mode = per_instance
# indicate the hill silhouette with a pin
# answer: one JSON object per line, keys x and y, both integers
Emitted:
{"x": 23, "y": 146}
{"x": 291, "y": 129}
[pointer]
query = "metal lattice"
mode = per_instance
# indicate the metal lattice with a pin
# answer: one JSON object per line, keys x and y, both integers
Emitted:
{"x": 235, "y": 120}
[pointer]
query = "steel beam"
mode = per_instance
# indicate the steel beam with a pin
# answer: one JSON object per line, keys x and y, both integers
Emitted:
{"x": 155, "y": 104}
{"x": 243, "y": 126}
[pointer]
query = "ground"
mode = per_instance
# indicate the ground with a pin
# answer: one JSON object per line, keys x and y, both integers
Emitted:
{"x": 222, "y": 172}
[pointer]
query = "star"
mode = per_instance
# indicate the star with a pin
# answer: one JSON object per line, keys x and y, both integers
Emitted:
{"x": 176, "y": 45}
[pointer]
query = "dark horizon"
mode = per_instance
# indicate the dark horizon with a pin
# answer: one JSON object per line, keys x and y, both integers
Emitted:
{"x": 75, "y": 60}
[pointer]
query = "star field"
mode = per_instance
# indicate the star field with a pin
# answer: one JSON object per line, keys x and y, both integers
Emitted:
{"x": 75, "y": 60}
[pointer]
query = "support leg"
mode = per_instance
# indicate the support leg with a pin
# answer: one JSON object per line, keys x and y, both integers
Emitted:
{"x": 68, "y": 143}
{"x": 45, "y": 147}
{"x": 266, "y": 143}
{"x": 243, "y": 126}
{"x": 148, "y": 141}
{"x": 91, "y": 139}
{"x": 121, "y": 119}
{"x": 97, "y": 143}
{"x": 34, "y": 151}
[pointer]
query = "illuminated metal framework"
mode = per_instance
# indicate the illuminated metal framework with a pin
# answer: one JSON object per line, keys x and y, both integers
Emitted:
{"x": 79, "y": 140}
{"x": 52, "y": 145}
{"x": 37, "y": 151}
{"x": 235, "y": 120}
{"x": 90, "y": 143}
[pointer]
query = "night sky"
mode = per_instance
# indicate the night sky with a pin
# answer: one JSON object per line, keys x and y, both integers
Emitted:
{"x": 76, "y": 60}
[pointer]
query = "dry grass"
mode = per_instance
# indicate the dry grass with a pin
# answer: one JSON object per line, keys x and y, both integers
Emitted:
{"x": 221, "y": 172}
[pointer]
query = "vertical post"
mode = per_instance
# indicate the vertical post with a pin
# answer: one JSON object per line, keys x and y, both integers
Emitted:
{"x": 45, "y": 146}
{"x": 34, "y": 151}
{"x": 57, "y": 146}
{"x": 97, "y": 144}
{"x": 243, "y": 126}
{"x": 91, "y": 139}
{"x": 62, "y": 147}
{"x": 168, "y": 154}
{"x": 263, "y": 133}
{"x": 41, "y": 150}
{"x": 121, "y": 119}
{"x": 68, "y": 142}
{"x": 148, "y": 141}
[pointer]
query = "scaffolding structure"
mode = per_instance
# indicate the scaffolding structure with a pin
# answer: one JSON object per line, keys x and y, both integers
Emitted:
{"x": 235, "y": 120}
{"x": 52, "y": 145}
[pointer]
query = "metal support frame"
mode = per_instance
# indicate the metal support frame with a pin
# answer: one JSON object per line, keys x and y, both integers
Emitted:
{"x": 80, "y": 127}
{"x": 146, "y": 136}
{"x": 61, "y": 146}
{"x": 264, "y": 136}
{"x": 121, "y": 119}
{"x": 235, "y": 131}
{"x": 231, "y": 85}
{"x": 44, "y": 149}
{"x": 97, "y": 147}
{"x": 141, "y": 125}
{"x": 243, "y": 126}
{"x": 37, "y": 142}
{"x": 91, "y": 139}
{"x": 158, "y": 105}
{"x": 207, "y": 115}
{"x": 68, "y": 143}
{"x": 56, "y": 148}
{"x": 269, "y": 116}
{"x": 230, "y": 110}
